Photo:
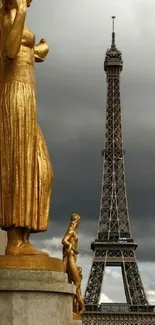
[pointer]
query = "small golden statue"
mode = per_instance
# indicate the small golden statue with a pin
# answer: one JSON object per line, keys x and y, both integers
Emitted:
{"x": 25, "y": 169}
{"x": 70, "y": 244}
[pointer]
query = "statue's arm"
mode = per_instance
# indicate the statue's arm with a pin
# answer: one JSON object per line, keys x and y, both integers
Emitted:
{"x": 66, "y": 239}
{"x": 40, "y": 51}
{"x": 13, "y": 38}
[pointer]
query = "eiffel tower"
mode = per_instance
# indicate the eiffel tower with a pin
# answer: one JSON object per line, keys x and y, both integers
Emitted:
{"x": 114, "y": 245}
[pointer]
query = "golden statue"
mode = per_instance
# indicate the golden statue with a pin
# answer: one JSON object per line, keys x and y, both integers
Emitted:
{"x": 25, "y": 169}
{"x": 70, "y": 245}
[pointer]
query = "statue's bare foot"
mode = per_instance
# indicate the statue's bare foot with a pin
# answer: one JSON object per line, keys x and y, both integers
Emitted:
{"x": 29, "y": 249}
{"x": 12, "y": 249}
{"x": 24, "y": 249}
{"x": 18, "y": 243}
{"x": 82, "y": 311}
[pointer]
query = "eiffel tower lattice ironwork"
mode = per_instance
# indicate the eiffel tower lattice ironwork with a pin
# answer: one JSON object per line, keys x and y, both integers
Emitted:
{"x": 114, "y": 245}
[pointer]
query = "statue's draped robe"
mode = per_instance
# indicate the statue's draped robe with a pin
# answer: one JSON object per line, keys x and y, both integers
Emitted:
{"x": 25, "y": 169}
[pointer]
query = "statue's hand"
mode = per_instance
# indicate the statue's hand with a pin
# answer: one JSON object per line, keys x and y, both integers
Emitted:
{"x": 75, "y": 251}
{"x": 41, "y": 50}
{"x": 44, "y": 45}
{"x": 20, "y": 4}
{"x": 42, "y": 41}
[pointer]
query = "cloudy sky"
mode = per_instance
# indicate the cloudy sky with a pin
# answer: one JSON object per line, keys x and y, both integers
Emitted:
{"x": 71, "y": 94}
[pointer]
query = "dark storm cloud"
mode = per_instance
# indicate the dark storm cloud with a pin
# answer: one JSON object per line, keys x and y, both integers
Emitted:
{"x": 71, "y": 92}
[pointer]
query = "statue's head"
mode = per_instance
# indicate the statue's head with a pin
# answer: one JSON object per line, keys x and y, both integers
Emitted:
{"x": 9, "y": 4}
{"x": 75, "y": 220}
{"x": 29, "y": 3}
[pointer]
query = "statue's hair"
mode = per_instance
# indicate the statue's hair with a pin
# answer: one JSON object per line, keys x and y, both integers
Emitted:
{"x": 74, "y": 219}
{"x": 1, "y": 51}
{"x": 6, "y": 3}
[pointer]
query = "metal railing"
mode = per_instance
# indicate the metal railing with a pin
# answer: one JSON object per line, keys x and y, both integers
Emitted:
{"x": 121, "y": 308}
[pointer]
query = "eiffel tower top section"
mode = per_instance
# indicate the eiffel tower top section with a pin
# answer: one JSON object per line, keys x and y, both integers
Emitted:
{"x": 114, "y": 223}
{"x": 113, "y": 57}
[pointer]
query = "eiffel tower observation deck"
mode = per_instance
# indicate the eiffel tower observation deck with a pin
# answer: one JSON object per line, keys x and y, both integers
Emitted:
{"x": 114, "y": 245}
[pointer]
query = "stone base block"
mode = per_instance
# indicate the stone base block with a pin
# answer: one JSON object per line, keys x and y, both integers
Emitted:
{"x": 35, "y": 298}
{"x": 77, "y": 322}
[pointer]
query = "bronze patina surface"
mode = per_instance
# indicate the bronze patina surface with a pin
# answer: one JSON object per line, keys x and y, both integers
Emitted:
{"x": 70, "y": 246}
{"x": 31, "y": 262}
{"x": 25, "y": 169}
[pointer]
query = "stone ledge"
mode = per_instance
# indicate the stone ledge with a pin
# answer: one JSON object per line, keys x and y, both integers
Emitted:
{"x": 35, "y": 286}
{"x": 32, "y": 275}
{"x": 41, "y": 281}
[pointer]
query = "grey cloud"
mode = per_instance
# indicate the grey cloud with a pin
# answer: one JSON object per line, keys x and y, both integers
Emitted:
{"x": 72, "y": 99}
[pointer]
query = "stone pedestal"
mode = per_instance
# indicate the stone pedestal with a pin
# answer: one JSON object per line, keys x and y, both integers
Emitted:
{"x": 77, "y": 322}
{"x": 35, "y": 298}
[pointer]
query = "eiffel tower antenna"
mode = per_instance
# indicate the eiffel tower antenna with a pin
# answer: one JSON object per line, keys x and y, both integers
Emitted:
{"x": 113, "y": 31}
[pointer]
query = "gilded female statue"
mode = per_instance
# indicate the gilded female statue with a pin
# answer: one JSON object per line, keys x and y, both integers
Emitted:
{"x": 25, "y": 169}
{"x": 70, "y": 245}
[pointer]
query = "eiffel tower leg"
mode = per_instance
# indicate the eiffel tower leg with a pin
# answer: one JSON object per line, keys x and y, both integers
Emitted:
{"x": 133, "y": 285}
{"x": 94, "y": 285}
